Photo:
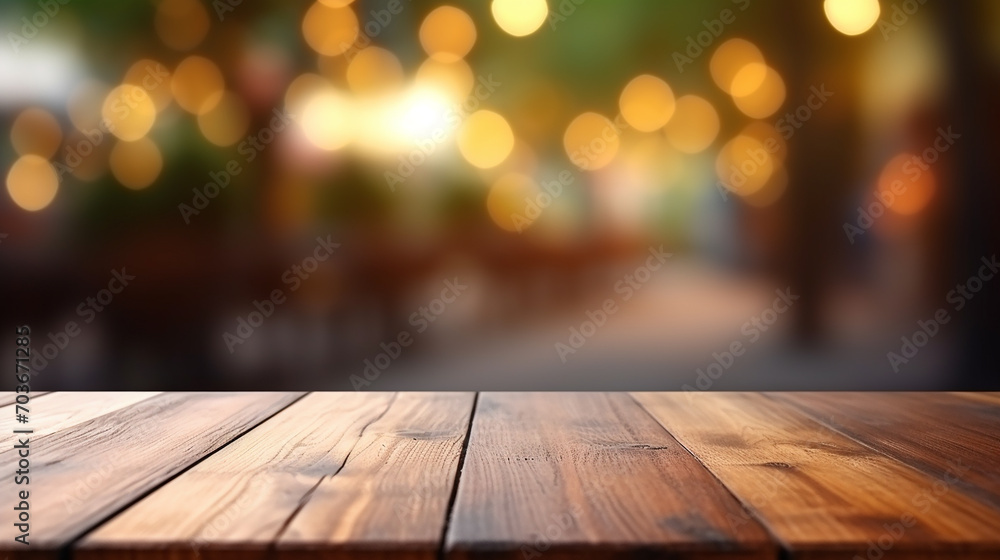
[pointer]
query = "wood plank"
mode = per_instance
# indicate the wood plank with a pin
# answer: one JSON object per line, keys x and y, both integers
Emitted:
{"x": 66, "y": 409}
{"x": 238, "y": 501}
{"x": 9, "y": 397}
{"x": 589, "y": 475}
{"x": 391, "y": 498}
{"x": 821, "y": 493}
{"x": 987, "y": 397}
{"x": 933, "y": 432}
{"x": 84, "y": 474}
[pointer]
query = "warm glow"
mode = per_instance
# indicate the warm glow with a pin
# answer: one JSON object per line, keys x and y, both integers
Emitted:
{"x": 303, "y": 89}
{"x": 852, "y": 17}
{"x": 93, "y": 158}
{"x": 507, "y": 201}
{"x": 520, "y": 17}
{"x": 748, "y": 79}
{"x": 181, "y": 24}
{"x": 336, "y": 3}
{"x": 694, "y": 126}
{"x": 485, "y": 139}
{"x": 764, "y": 100}
{"x": 591, "y": 141}
{"x": 907, "y": 184}
{"x": 766, "y": 134}
{"x": 328, "y": 120}
{"x": 744, "y": 165}
{"x": 771, "y": 192}
{"x": 154, "y": 78}
{"x": 647, "y": 103}
{"x": 330, "y": 30}
{"x": 374, "y": 70}
{"x": 227, "y": 122}
{"x": 36, "y": 131}
{"x": 32, "y": 182}
{"x": 447, "y": 34}
{"x": 129, "y": 112}
{"x": 422, "y": 115}
{"x": 84, "y": 105}
{"x": 731, "y": 57}
{"x": 197, "y": 84}
{"x": 454, "y": 78}
{"x": 136, "y": 164}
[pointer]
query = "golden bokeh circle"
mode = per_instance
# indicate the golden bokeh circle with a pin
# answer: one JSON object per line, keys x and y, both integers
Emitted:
{"x": 447, "y": 34}
{"x": 32, "y": 182}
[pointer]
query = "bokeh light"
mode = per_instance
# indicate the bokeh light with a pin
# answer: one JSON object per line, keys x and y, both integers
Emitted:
{"x": 136, "y": 164}
{"x": 374, "y": 70}
{"x": 852, "y": 17}
{"x": 153, "y": 77}
{"x": 507, "y": 201}
{"x": 748, "y": 79}
{"x": 772, "y": 190}
{"x": 302, "y": 90}
{"x": 36, "y": 131}
{"x": 197, "y": 84}
{"x": 766, "y": 99}
{"x": 129, "y": 112}
{"x": 694, "y": 126}
{"x": 32, "y": 182}
{"x": 908, "y": 183}
{"x": 454, "y": 78}
{"x": 227, "y": 122}
{"x": 330, "y": 30}
{"x": 520, "y": 17}
{"x": 647, "y": 103}
{"x": 770, "y": 137}
{"x": 447, "y": 34}
{"x": 591, "y": 141}
{"x": 85, "y": 103}
{"x": 328, "y": 120}
{"x": 181, "y": 24}
{"x": 731, "y": 57}
{"x": 744, "y": 165}
{"x": 485, "y": 139}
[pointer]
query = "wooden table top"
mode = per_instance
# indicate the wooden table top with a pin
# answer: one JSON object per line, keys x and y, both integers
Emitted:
{"x": 506, "y": 475}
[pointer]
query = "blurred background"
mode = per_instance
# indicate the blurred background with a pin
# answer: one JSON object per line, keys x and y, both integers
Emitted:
{"x": 516, "y": 194}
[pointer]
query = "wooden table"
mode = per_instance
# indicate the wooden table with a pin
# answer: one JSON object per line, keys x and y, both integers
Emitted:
{"x": 507, "y": 475}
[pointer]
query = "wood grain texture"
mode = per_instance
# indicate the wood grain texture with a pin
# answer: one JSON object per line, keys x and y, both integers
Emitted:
{"x": 992, "y": 398}
{"x": 83, "y": 474}
{"x": 589, "y": 475}
{"x": 8, "y": 397}
{"x": 391, "y": 498}
{"x": 63, "y": 410}
{"x": 238, "y": 501}
{"x": 936, "y": 433}
{"x": 821, "y": 493}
